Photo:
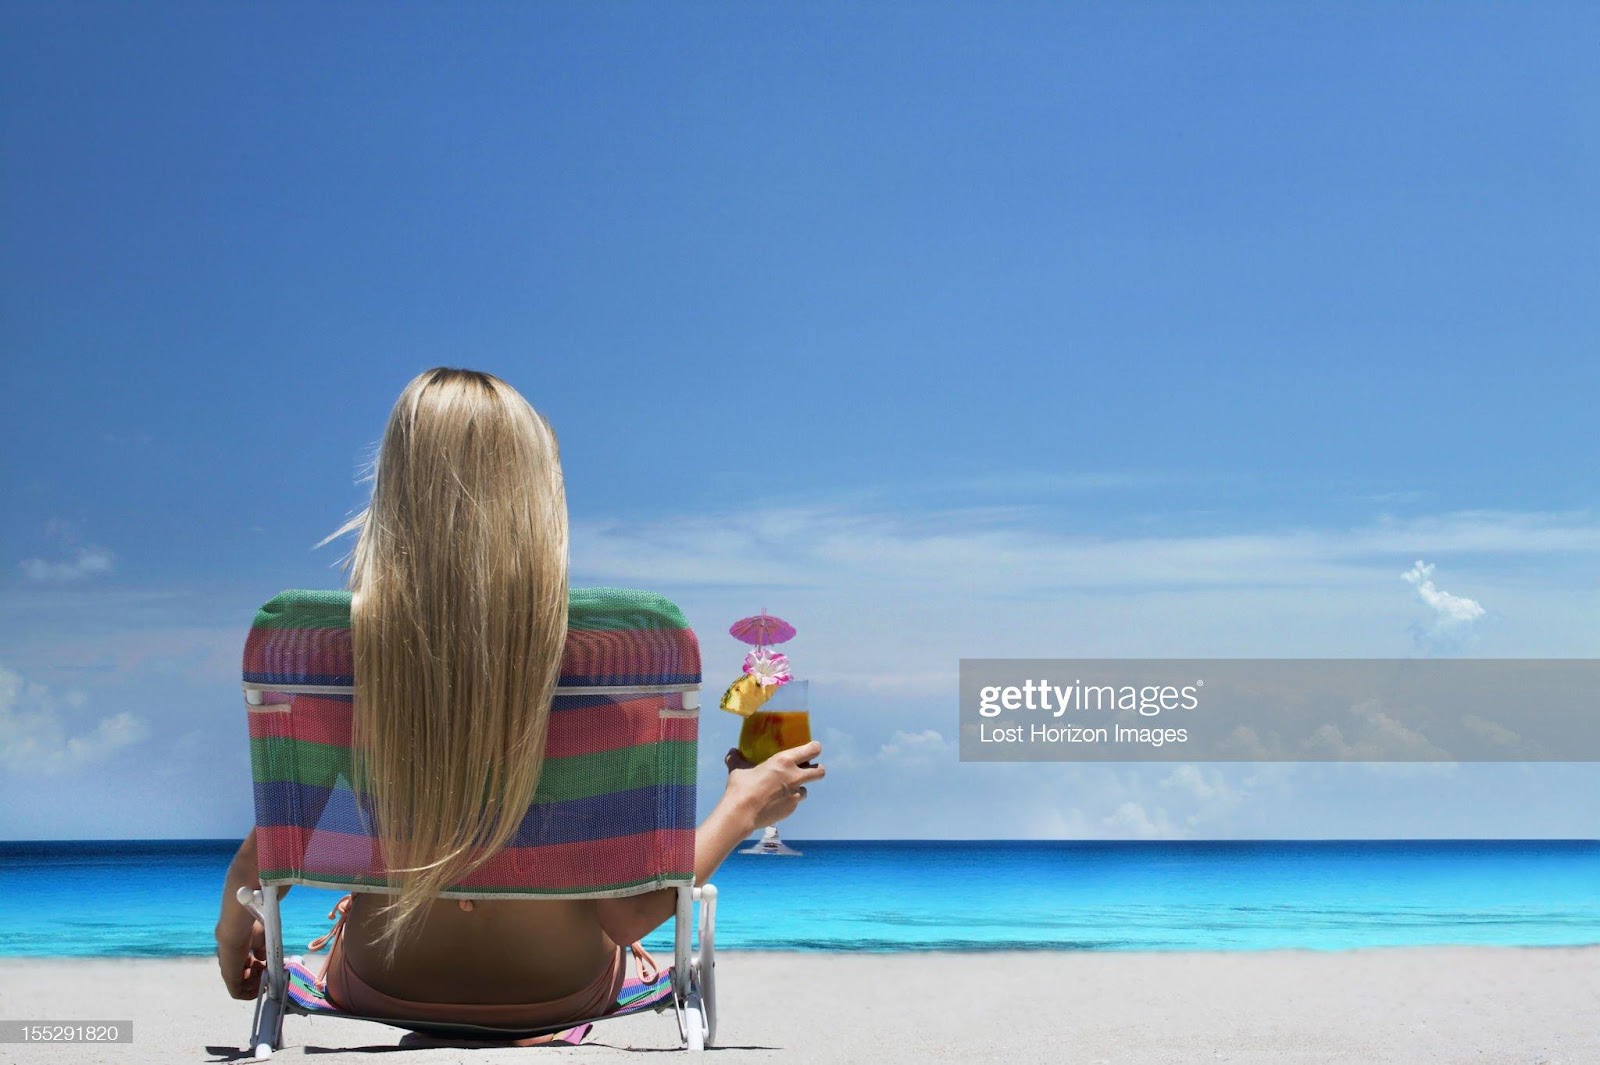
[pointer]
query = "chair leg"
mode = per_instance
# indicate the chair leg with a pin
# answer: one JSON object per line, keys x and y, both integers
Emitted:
{"x": 694, "y": 1032}
{"x": 267, "y": 1029}
{"x": 683, "y": 964}
{"x": 693, "y": 967}
{"x": 706, "y": 960}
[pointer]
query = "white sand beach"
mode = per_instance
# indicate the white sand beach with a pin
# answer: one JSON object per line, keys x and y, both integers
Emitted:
{"x": 1410, "y": 1005}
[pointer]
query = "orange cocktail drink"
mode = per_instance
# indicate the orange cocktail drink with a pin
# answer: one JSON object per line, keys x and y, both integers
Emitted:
{"x": 766, "y": 732}
{"x": 784, "y": 721}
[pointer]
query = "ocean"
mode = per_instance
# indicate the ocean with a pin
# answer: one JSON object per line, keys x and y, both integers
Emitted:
{"x": 159, "y": 898}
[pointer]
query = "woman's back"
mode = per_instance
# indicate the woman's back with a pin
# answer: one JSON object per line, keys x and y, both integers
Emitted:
{"x": 499, "y": 951}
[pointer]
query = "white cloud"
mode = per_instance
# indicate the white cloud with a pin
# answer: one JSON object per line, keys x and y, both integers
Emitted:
{"x": 1492, "y": 731}
{"x": 840, "y": 750}
{"x": 1132, "y": 820}
{"x": 1205, "y": 797}
{"x": 889, "y": 684}
{"x": 917, "y": 748}
{"x": 903, "y": 749}
{"x": 1448, "y": 609}
{"x": 34, "y": 739}
{"x": 85, "y": 562}
{"x": 887, "y": 604}
{"x": 1451, "y": 619}
{"x": 1189, "y": 778}
{"x": 1014, "y": 550}
{"x": 866, "y": 795}
{"x": 1374, "y": 736}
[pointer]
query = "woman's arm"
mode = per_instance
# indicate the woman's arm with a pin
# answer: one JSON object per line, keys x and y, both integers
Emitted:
{"x": 241, "y": 941}
{"x": 755, "y": 796}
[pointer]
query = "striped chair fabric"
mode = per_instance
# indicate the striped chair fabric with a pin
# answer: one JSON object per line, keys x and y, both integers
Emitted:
{"x": 614, "y": 812}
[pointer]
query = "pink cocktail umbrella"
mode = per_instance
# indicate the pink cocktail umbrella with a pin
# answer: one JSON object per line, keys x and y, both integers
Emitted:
{"x": 761, "y": 630}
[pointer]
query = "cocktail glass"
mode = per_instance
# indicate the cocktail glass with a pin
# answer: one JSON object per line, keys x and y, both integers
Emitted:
{"x": 784, "y": 721}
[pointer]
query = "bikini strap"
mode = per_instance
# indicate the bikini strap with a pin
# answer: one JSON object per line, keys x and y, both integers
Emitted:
{"x": 340, "y": 911}
{"x": 649, "y": 968}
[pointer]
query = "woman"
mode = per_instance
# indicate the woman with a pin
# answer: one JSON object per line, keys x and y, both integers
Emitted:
{"x": 458, "y": 621}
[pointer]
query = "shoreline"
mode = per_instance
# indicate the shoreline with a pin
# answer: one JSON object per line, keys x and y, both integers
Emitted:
{"x": 1361, "y": 1005}
{"x": 952, "y": 953}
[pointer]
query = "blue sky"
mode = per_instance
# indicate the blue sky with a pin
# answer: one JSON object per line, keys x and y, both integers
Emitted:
{"x": 943, "y": 330}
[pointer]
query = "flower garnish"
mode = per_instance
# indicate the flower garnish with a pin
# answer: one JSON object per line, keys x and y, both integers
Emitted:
{"x": 769, "y": 668}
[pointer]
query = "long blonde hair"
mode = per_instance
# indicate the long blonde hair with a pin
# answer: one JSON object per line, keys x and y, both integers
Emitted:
{"x": 458, "y": 619}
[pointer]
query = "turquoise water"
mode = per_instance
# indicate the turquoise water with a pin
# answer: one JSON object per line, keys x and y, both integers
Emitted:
{"x": 160, "y": 898}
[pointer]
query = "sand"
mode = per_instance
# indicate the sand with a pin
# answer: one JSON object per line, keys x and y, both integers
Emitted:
{"x": 1412, "y": 1005}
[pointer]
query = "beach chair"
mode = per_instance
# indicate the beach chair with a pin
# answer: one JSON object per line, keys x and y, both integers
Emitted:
{"x": 614, "y": 814}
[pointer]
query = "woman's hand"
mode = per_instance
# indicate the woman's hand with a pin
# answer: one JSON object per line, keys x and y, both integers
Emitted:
{"x": 242, "y": 955}
{"x": 771, "y": 791}
{"x": 241, "y": 941}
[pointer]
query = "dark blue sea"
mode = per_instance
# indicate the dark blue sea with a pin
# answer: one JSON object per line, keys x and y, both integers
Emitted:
{"x": 160, "y": 898}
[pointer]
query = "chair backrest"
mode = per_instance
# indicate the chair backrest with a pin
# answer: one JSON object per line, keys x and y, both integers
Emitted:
{"x": 614, "y": 813}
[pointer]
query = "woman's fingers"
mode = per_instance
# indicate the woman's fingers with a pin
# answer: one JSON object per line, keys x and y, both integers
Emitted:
{"x": 250, "y": 986}
{"x": 243, "y": 963}
{"x": 247, "y": 983}
{"x": 810, "y": 773}
{"x": 799, "y": 793}
{"x": 803, "y": 753}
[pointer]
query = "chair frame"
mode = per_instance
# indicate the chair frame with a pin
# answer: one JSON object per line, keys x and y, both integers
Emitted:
{"x": 693, "y": 958}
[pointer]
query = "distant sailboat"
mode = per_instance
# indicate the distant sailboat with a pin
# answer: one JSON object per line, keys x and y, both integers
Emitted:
{"x": 769, "y": 843}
